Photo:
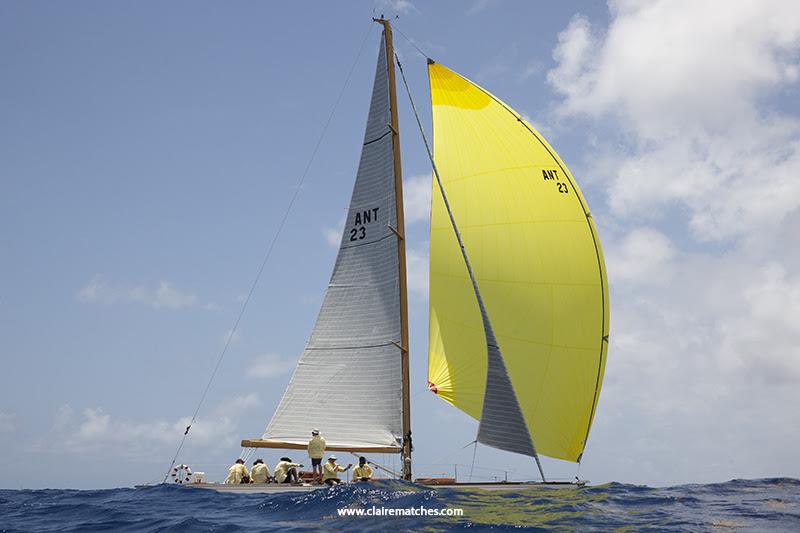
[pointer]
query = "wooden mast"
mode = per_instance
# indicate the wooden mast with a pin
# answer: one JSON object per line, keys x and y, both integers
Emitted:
{"x": 401, "y": 249}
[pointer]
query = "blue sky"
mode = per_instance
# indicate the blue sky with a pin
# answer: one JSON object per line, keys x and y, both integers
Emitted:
{"x": 148, "y": 151}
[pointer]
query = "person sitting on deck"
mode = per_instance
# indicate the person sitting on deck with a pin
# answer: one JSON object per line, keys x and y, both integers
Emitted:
{"x": 331, "y": 471}
{"x": 316, "y": 449}
{"x": 286, "y": 471}
{"x": 237, "y": 473}
{"x": 363, "y": 472}
{"x": 260, "y": 472}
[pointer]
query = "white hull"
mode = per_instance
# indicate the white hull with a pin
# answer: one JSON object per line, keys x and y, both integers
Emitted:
{"x": 276, "y": 488}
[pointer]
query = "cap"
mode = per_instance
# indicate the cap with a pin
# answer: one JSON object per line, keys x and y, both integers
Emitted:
{"x": 315, "y": 431}
{"x": 332, "y": 457}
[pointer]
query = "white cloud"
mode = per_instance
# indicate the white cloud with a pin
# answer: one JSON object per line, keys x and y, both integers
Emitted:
{"x": 162, "y": 296}
{"x": 730, "y": 182}
{"x": 394, "y": 7}
{"x": 762, "y": 337}
{"x": 690, "y": 93}
{"x": 333, "y": 234}
{"x": 8, "y": 422}
{"x": 93, "y": 430}
{"x": 417, "y": 272}
{"x": 417, "y": 198}
{"x": 676, "y": 64}
{"x": 270, "y": 365}
{"x": 699, "y": 154}
{"x": 644, "y": 256}
{"x": 237, "y": 404}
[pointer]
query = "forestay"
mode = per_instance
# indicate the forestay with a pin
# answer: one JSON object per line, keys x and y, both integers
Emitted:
{"x": 348, "y": 381}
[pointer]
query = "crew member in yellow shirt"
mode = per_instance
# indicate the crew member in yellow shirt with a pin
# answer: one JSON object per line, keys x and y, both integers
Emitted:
{"x": 238, "y": 473}
{"x": 330, "y": 472}
{"x": 363, "y": 472}
{"x": 286, "y": 471}
{"x": 316, "y": 450}
{"x": 260, "y": 472}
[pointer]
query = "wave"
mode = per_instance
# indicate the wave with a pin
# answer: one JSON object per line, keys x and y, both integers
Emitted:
{"x": 741, "y": 504}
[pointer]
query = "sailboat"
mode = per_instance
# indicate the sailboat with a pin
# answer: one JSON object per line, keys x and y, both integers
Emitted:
{"x": 519, "y": 310}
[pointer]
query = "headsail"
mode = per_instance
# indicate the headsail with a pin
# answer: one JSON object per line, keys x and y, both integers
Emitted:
{"x": 348, "y": 382}
{"x": 539, "y": 267}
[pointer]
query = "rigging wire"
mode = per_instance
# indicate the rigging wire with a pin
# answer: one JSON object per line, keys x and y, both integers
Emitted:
{"x": 246, "y": 301}
{"x": 474, "y": 453}
{"x": 426, "y": 56}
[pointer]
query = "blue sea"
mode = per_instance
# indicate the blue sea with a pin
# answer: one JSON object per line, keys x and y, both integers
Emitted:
{"x": 739, "y": 505}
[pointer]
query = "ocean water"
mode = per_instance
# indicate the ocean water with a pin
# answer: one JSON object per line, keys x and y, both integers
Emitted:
{"x": 739, "y": 505}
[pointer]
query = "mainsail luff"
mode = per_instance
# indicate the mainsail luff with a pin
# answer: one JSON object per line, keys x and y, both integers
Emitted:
{"x": 400, "y": 230}
{"x": 349, "y": 380}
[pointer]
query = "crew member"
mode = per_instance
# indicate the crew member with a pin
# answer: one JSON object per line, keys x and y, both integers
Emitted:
{"x": 363, "y": 472}
{"x": 260, "y": 472}
{"x": 331, "y": 471}
{"x": 286, "y": 471}
{"x": 238, "y": 473}
{"x": 316, "y": 450}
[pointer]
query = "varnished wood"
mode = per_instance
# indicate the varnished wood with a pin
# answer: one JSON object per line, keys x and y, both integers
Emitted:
{"x": 401, "y": 250}
{"x": 261, "y": 443}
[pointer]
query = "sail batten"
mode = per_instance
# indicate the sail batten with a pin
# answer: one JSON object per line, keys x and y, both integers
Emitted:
{"x": 537, "y": 261}
{"x": 348, "y": 381}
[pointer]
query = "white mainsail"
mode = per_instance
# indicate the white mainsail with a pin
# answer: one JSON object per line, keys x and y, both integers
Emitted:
{"x": 348, "y": 382}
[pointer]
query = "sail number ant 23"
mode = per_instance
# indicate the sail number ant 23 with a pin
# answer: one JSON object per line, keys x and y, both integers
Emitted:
{"x": 552, "y": 174}
{"x": 363, "y": 217}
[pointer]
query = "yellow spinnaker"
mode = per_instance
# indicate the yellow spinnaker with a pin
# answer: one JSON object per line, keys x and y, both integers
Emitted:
{"x": 537, "y": 260}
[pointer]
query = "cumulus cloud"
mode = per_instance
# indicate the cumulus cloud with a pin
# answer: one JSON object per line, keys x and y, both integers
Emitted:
{"x": 162, "y": 296}
{"x": 762, "y": 336}
{"x": 270, "y": 365}
{"x": 417, "y": 272}
{"x": 333, "y": 234}
{"x": 393, "y": 7}
{"x": 237, "y": 404}
{"x": 417, "y": 198}
{"x": 698, "y": 154}
{"x": 665, "y": 70}
{"x": 645, "y": 255}
{"x": 704, "y": 141}
{"x": 93, "y": 429}
{"x": 691, "y": 94}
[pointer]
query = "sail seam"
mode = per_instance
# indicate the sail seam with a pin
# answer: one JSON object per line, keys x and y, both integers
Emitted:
{"x": 518, "y": 282}
{"x": 378, "y": 138}
{"x": 349, "y": 246}
{"x": 494, "y": 224}
{"x": 357, "y": 346}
